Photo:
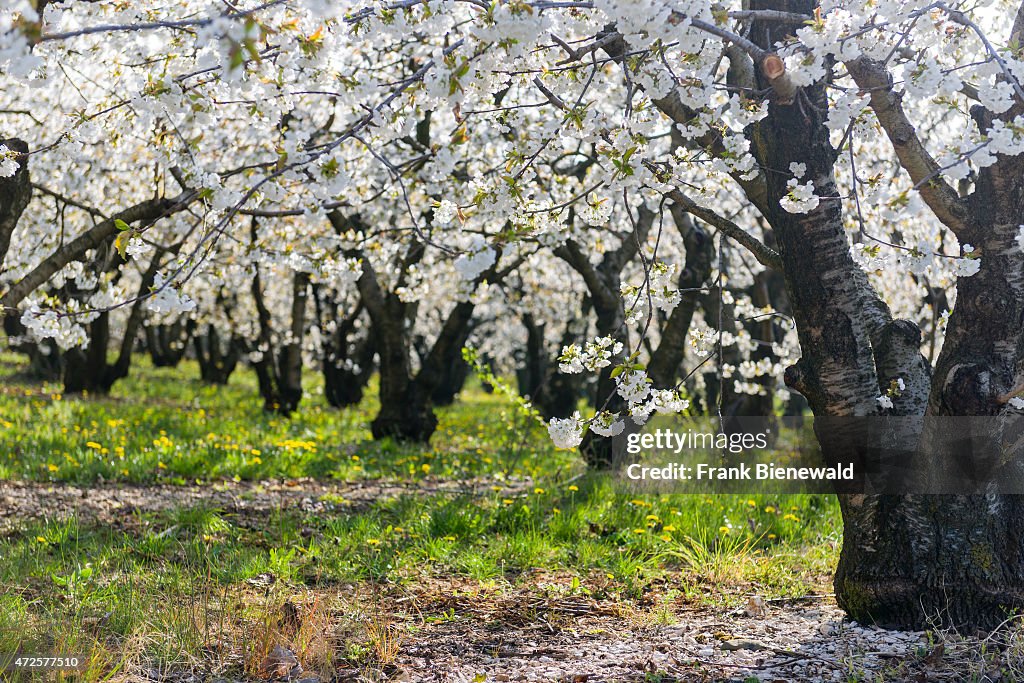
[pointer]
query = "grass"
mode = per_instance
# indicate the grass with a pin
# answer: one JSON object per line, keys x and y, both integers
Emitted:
{"x": 163, "y": 424}
{"x": 205, "y": 588}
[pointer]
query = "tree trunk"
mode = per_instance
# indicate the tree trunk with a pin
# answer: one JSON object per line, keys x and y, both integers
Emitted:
{"x": 905, "y": 559}
{"x": 345, "y": 378}
{"x": 405, "y": 410}
{"x": 167, "y": 344}
{"x": 217, "y": 361}
{"x": 666, "y": 360}
{"x": 960, "y": 557}
{"x": 454, "y": 369}
{"x": 603, "y": 283}
{"x": 45, "y": 357}
{"x": 611, "y": 322}
{"x": 552, "y": 393}
{"x": 87, "y": 370}
{"x": 15, "y": 195}
{"x": 279, "y": 371}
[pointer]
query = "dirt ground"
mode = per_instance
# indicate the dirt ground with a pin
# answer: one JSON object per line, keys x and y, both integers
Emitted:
{"x": 245, "y": 501}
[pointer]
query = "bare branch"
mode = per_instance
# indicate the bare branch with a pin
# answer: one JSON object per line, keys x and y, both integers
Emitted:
{"x": 764, "y": 254}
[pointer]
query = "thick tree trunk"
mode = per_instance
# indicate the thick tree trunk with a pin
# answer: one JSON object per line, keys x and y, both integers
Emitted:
{"x": 405, "y": 409}
{"x": 959, "y": 557}
{"x": 850, "y": 347}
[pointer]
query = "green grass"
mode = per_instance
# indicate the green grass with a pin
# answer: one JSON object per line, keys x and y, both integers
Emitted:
{"x": 165, "y": 425}
{"x": 165, "y": 585}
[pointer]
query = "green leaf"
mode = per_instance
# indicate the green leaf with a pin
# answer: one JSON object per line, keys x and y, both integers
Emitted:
{"x": 121, "y": 225}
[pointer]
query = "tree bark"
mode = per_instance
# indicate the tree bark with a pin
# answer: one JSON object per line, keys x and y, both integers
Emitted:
{"x": 15, "y": 195}
{"x": 958, "y": 557}
{"x": 552, "y": 393}
{"x": 666, "y": 360}
{"x": 347, "y": 363}
{"x": 279, "y": 370}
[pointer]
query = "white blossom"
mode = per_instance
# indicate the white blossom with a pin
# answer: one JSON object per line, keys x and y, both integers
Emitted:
{"x": 607, "y": 424}
{"x": 8, "y": 162}
{"x": 137, "y": 248}
{"x": 566, "y": 432}
{"x": 167, "y": 299}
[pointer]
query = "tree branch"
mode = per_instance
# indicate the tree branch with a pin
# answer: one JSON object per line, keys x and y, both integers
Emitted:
{"x": 150, "y": 210}
{"x": 872, "y": 77}
{"x": 571, "y": 253}
{"x": 764, "y": 254}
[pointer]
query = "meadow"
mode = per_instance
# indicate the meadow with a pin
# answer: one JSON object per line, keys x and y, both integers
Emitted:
{"x": 251, "y": 532}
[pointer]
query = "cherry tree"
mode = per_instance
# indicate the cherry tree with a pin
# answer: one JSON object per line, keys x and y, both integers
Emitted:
{"x": 737, "y": 194}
